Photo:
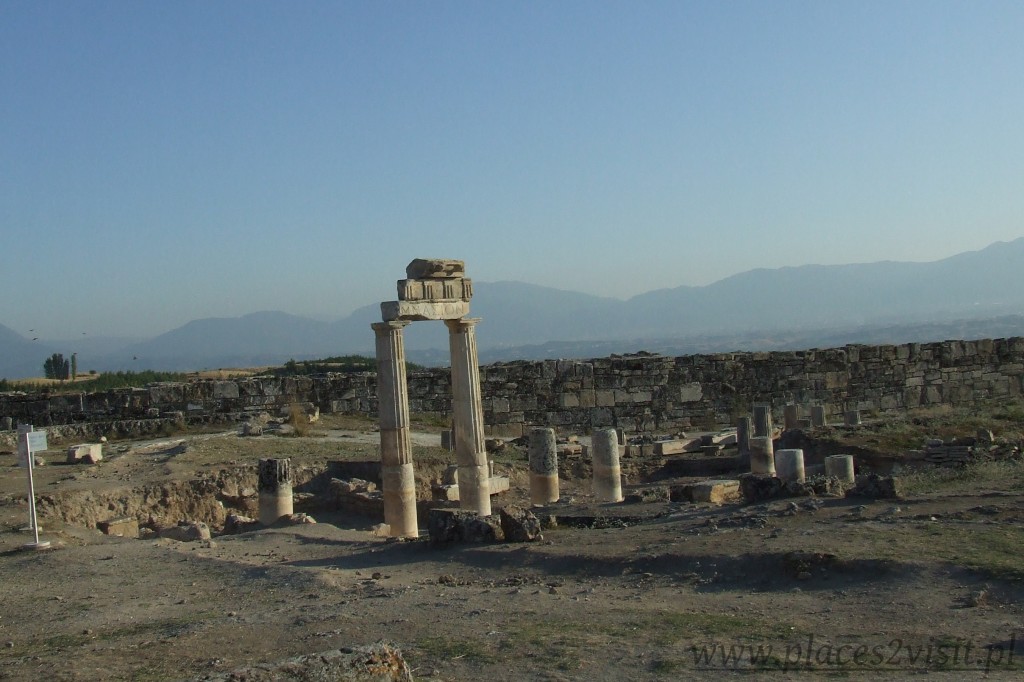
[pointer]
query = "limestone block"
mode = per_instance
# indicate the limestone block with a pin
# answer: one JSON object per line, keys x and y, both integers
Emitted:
{"x": 520, "y": 525}
{"x": 88, "y": 453}
{"x": 435, "y": 268}
{"x": 674, "y": 447}
{"x": 568, "y": 400}
{"x": 690, "y": 393}
{"x": 186, "y": 532}
{"x": 423, "y": 310}
{"x": 123, "y": 526}
{"x": 716, "y": 491}
{"x": 605, "y": 398}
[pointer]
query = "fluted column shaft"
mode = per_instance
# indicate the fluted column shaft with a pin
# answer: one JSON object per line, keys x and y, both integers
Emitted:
{"x": 467, "y": 407}
{"x": 398, "y": 477}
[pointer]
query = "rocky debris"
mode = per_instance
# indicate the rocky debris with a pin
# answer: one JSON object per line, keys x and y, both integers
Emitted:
{"x": 738, "y": 521}
{"x": 236, "y": 523}
{"x": 520, "y": 525}
{"x": 761, "y": 487}
{"x": 802, "y": 565}
{"x": 379, "y": 662}
{"x": 876, "y": 487}
{"x": 251, "y": 429}
{"x": 296, "y": 520}
{"x": 447, "y": 526}
{"x": 650, "y": 494}
{"x": 185, "y": 531}
{"x": 352, "y": 485}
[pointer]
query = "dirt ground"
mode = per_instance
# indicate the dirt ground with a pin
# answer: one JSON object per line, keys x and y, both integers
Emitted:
{"x": 792, "y": 589}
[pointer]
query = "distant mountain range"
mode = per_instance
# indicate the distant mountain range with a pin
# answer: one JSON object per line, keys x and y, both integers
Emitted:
{"x": 970, "y": 295}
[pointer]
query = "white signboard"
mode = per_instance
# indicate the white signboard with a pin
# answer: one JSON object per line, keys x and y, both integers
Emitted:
{"x": 36, "y": 440}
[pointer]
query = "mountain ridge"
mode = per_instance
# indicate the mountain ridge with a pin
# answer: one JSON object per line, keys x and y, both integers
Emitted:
{"x": 787, "y": 302}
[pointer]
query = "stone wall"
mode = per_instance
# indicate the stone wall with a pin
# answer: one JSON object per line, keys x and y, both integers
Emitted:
{"x": 635, "y": 392}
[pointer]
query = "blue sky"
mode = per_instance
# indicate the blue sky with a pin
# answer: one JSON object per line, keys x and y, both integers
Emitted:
{"x": 161, "y": 162}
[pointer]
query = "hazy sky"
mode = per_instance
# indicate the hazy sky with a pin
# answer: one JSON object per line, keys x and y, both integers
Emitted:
{"x": 161, "y": 162}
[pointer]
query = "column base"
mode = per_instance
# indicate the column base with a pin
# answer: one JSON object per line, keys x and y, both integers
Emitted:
{"x": 607, "y": 483}
{"x": 475, "y": 489}
{"x": 275, "y": 506}
{"x": 543, "y": 489}
{"x": 400, "y": 500}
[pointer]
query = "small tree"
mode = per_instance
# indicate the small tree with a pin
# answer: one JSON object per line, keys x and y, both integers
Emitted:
{"x": 74, "y": 366}
{"x": 56, "y": 367}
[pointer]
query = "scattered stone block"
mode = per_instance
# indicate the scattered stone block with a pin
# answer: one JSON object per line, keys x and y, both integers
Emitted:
{"x": 236, "y": 523}
{"x": 448, "y": 526}
{"x": 716, "y": 491}
{"x": 186, "y": 532}
{"x": 122, "y": 526}
{"x": 251, "y": 429}
{"x": 520, "y": 525}
{"x": 674, "y": 447}
{"x": 876, "y": 487}
{"x": 86, "y": 453}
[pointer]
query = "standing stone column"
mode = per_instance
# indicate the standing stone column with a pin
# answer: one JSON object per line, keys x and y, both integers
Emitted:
{"x": 397, "y": 476}
{"x": 840, "y": 466}
{"x": 818, "y": 415}
{"x": 604, "y": 443}
{"x": 467, "y": 406}
{"x": 762, "y": 420}
{"x": 543, "y": 467}
{"x": 852, "y": 417}
{"x": 790, "y": 416}
{"x": 743, "y": 425}
{"x": 790, "y": 464}
{"x": 762, "y": 456}
{"x": 275, "y": 490}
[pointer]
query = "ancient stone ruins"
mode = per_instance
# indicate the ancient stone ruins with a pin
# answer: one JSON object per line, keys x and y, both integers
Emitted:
{"x": 433, "y": 290}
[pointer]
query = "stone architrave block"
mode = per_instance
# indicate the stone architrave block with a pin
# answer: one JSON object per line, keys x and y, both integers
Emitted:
{"x": 423, "y": 310}
{"x": 435, "y": 268}
{"x": 452, "y": 289}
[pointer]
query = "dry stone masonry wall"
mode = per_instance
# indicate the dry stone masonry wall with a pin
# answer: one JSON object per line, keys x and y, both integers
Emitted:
{"x": 635, "y": 392}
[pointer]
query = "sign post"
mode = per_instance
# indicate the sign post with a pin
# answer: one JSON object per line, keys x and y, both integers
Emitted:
{"x": 31, "y": 441}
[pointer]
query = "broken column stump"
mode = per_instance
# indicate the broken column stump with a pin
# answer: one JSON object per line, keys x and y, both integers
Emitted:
{"x": 543, "y": 467}
{"x": 275, "y": 490}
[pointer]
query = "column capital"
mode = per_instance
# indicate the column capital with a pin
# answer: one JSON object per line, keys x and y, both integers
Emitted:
{"x": 462, "y": 323}
{"x": 389, "y": 326}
